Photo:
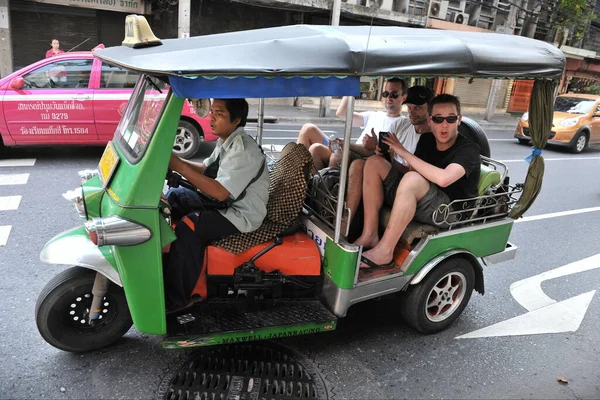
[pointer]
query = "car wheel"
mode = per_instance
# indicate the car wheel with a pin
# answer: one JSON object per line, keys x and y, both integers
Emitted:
{"x": 579, "y": 143}
{"x": 187, "y": 140}
{"x": 473, "y": 131}
{"x": 440, "y": 298}
{"x": 63, "y": 307}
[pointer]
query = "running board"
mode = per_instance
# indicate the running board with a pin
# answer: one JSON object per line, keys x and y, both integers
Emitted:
{"x": 225, "y": 321}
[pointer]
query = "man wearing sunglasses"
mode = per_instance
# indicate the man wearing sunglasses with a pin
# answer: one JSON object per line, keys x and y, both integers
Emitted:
{"x": 373, "y": 122}
{"x": 390, "y": 170}
{"x": 445, "y": 167}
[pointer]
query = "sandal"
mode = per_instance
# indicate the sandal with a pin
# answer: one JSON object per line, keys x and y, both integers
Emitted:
{"x": 375, "y": 267}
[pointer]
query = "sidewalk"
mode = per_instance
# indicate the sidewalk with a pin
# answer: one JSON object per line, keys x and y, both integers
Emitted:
{"x": 301, "y": 115}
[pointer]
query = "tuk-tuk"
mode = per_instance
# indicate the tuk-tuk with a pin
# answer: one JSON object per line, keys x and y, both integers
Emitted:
{"x": 302, "y": 274}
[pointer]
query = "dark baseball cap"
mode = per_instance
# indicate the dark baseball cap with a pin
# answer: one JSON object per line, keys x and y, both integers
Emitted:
{"x": 418, "y": 95}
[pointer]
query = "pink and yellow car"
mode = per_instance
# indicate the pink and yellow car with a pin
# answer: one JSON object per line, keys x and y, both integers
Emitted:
{"x": 76, "y": 99}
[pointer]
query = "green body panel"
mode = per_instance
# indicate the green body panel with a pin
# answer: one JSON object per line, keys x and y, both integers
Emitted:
{"x": 166, "y": 233}
{"x": 340, "y": 264}
{"x": 480, "y": 242}
{"x": 134, "y": 194}
{"x": 276, "y": 332}
{"x": 92, "y": 193}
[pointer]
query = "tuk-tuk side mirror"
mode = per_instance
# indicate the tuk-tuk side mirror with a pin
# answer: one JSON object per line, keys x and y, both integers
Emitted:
{"x": 16, "y": 83}
{"x": 201, "y": 106}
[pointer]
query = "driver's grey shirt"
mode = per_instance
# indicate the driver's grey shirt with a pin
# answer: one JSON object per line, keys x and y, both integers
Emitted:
{"x": 240, "y": 160}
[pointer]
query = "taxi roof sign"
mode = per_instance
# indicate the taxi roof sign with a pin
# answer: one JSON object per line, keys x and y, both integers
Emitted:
{"x": 138, "y": 33}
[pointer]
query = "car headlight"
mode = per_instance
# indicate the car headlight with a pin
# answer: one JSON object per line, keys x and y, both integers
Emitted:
{"x": 525, "y": 116}
{"x": 569, "y": 122}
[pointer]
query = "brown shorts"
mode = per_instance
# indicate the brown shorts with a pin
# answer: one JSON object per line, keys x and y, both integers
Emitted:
{"x": 391, "y": 182}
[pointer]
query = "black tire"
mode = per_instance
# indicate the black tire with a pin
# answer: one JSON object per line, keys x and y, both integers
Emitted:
{"x": 580, "y": 142}
{"x": 472, "y": 130}
{"x": 64, "y": 303}
{"x": 524, "y": 141}
{"x": 456, "y": 272}
{"x": 187, "y": 140}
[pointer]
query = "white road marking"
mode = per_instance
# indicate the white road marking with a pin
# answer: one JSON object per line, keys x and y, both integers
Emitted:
{"x": 528, "y": 292}
{"x": 273, "y": 147}
{"x": 565, "y": 316}
{"x": 556, "y": 159}
{"x": 545, "y": 315}
{"x": 13, "y": 179}
{"x": 4, "y": 232}
{"x": 557, "y": 214}
{"x": 9, "y": 203}
{"x": 18, "y": 162}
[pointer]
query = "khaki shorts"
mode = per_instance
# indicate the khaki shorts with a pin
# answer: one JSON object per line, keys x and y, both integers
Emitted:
{"x": 434, "y": 197}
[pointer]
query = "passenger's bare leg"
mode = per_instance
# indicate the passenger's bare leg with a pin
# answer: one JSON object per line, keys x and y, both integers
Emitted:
{"x": 412, "y": 188}
{"x": 354, "y": 190}
{"x": 310, "y": 134}
{"x": 320, "y": 155}
{"x": 375, "y": 170}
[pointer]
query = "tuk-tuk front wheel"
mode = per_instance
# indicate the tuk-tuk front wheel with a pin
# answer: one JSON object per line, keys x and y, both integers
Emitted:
{"x": 440, "y": 298}
{"x": 63, "y": 308}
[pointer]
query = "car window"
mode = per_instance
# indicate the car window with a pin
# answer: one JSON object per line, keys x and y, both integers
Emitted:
{"x": 573, "y": 105}
{"x": 117, "y": 78}
{"x": 65, "y": 74}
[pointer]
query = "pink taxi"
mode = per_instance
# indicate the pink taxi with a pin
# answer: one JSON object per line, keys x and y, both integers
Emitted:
{"x": 74, "y": 98}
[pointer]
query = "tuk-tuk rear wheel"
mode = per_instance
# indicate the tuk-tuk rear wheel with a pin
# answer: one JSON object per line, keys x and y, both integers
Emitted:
{"x": 63, "y": 307}
{"x": 441, "y": 297}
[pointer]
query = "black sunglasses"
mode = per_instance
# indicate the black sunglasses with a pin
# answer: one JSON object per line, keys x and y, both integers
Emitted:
{"x": 394, "y": 95}
{"x": 450, "y": 119}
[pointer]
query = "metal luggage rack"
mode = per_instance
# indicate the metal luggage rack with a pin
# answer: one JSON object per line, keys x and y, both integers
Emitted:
{"x": 323, "y": 204}
{"x": 478, "y": 209}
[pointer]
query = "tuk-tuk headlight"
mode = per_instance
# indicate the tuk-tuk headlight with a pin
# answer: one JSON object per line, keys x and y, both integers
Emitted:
{"x": 116, "y": 231}
{"x": 525, "y": 117}
{"x": 76, "y": 196}
{"x": 87, "y": 174}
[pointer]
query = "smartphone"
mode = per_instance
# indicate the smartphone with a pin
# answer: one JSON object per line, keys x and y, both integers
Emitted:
{"x": 384, "y": 147}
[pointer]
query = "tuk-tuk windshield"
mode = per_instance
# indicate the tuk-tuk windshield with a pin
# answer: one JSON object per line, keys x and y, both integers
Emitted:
{"x": 139, "y": 120}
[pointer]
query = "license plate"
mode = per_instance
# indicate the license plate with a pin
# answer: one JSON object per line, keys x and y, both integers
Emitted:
{"x": 108, "y": 163}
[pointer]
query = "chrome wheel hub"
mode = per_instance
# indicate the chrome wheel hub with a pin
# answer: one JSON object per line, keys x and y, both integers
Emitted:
{"x": 446, "y": 296}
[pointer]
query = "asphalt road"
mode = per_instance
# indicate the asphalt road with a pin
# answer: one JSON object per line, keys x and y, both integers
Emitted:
{"x": 372, "y": 354}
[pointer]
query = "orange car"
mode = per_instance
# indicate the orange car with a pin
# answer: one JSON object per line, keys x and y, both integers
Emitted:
{"x": 576, "y": 122}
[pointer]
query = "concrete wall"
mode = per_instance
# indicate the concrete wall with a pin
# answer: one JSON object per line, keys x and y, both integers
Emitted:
{"x": 218, "y": 16}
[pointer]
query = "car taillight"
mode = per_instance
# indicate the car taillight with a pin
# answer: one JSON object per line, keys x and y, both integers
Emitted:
{"x": 116, "y": 231}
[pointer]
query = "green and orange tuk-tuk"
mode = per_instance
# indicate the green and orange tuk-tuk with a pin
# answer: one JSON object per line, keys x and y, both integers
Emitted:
{"x": 299, "y": 280}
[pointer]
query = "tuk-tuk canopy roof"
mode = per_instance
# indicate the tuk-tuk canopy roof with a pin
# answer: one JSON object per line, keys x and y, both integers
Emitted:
{"x": 328, "y": 60}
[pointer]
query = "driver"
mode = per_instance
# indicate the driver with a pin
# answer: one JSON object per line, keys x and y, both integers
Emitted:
{"x": 235, "y": 174}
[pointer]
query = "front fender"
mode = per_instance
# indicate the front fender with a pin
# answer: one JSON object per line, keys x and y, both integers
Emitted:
{"x": 74, "y": 247}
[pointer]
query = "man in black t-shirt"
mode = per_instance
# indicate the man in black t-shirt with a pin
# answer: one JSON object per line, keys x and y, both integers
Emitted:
{"x": 445, "y": 167}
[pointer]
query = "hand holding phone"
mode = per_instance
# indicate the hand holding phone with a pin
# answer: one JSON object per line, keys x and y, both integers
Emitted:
{"x": 384, "y": 147}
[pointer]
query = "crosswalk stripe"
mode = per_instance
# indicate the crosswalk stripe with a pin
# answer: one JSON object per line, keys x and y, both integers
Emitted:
{"x": 18, "y": 162}
{"x": 9, "y": 203}
{"x": 13, "y": 179}
{"x": 4, "y": 232}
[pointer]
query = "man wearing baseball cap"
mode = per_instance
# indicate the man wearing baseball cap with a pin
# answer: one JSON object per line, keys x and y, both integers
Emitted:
{"x": 377, "y": 167}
